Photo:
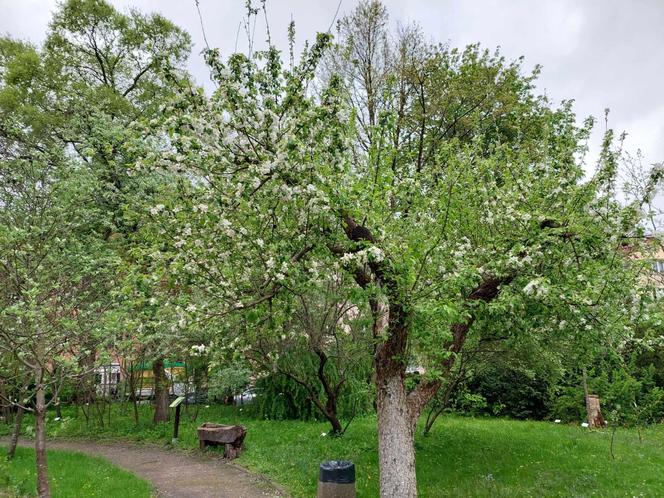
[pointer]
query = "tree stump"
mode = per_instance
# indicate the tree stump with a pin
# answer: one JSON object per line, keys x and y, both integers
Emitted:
{"x": 595, "y": 418}
{"x": 231, "y": 436}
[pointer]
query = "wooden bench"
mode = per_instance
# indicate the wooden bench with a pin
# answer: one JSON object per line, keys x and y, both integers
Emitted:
{"x": 231, "y": 436}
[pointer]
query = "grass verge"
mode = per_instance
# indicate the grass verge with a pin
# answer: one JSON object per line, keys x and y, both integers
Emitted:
{"x": 72, "y": 475}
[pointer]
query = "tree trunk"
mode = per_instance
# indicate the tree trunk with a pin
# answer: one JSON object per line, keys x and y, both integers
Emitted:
{"x": 337, "y": 428}
{"x": 134, "y": 403}
{"x": 43, "y": 489}
{"x": 331, "y": 393}
{"x": 15, "y": 433}
{"x": 160, "y": 391}
{"x": 396, "y": 420}
{"x": 5, "y": 406}
{"x": 396, "y": 430}
{"x": 131, "y": 382}
{"x": 595, "y": 418}
{"x": 140, "y": 390}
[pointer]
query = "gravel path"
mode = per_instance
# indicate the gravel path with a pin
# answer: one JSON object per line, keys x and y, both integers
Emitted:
{"x": 176, "y": 474}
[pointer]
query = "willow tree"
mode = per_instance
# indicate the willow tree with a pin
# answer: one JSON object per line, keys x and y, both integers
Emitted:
{"x": 442, "y": 215}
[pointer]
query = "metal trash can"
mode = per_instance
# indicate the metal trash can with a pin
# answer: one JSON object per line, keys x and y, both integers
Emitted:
{"x": 336, "y": 479}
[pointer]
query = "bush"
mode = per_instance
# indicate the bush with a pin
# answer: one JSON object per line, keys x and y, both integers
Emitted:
{"x": 507, "y": 391}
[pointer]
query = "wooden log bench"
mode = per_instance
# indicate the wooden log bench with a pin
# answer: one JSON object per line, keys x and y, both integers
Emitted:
{"x": 231, "y": 436}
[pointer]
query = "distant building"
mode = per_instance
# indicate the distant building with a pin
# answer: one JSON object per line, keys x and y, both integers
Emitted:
{"x": 656, "y": 258}
{"x": 110, "y": 379}
{"x": 653, "y": 252}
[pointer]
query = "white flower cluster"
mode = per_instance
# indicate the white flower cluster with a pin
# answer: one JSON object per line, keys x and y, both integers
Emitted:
{"x": 364, "y": 256}
{"x": 536, "y": 287}
{"x": 198, "y": 350}
{"x": 155, "y": 210}
{"x": 462, "y": 248}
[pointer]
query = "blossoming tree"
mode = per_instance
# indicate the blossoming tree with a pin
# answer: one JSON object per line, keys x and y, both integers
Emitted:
{"x": 465, "y": 196}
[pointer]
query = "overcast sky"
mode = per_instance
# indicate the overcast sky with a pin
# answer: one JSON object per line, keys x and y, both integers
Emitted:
{"x": 602, "y": 53}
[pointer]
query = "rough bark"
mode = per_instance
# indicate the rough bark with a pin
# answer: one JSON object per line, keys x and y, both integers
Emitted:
{"x": 396, "y": 423}
{"x": 595, "y": 418}
{"x": 15, "y": 433}
{"x": 43, "y": 489}
{"x": 160, "y": 391}
{"x": 396, "y": 430}
{"x": 396, "y": 426}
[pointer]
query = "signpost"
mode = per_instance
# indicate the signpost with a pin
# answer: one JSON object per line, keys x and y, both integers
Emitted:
{"x": 176, "y": 425}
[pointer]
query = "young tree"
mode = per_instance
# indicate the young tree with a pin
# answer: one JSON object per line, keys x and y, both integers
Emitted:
{"x": 319, "y": 341}
{"x": 53, "y": 267}
{"x": 57, "y": 270}
{"x": 14, "y": 395}
{"x": 66, "y": 120}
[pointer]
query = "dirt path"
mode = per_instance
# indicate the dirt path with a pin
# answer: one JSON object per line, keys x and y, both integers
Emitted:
{"x": 175, "y": 474}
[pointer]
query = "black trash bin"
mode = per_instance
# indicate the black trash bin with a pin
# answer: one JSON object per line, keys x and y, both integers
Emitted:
{"x": 336, "y": 479}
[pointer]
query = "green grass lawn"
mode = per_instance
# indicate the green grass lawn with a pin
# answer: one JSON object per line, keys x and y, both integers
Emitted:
{"x": 461, "y": 457}
{"x": 72, "y": 475}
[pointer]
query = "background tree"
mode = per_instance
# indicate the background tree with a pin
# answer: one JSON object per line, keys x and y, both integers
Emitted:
{"x": 111, "y": 74}
{"x": 58, "y": 268}
{"x": 67, "y": 109}
{"x": 319, "y": 341}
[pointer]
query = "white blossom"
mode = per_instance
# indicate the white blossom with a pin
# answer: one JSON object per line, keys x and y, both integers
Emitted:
{"x": 376, "y": 253}
{"x": 155, "y": 210}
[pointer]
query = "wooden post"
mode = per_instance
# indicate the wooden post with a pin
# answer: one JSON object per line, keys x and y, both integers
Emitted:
{"x": 176, "y": 425}
{"x": 177, "y": 404}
